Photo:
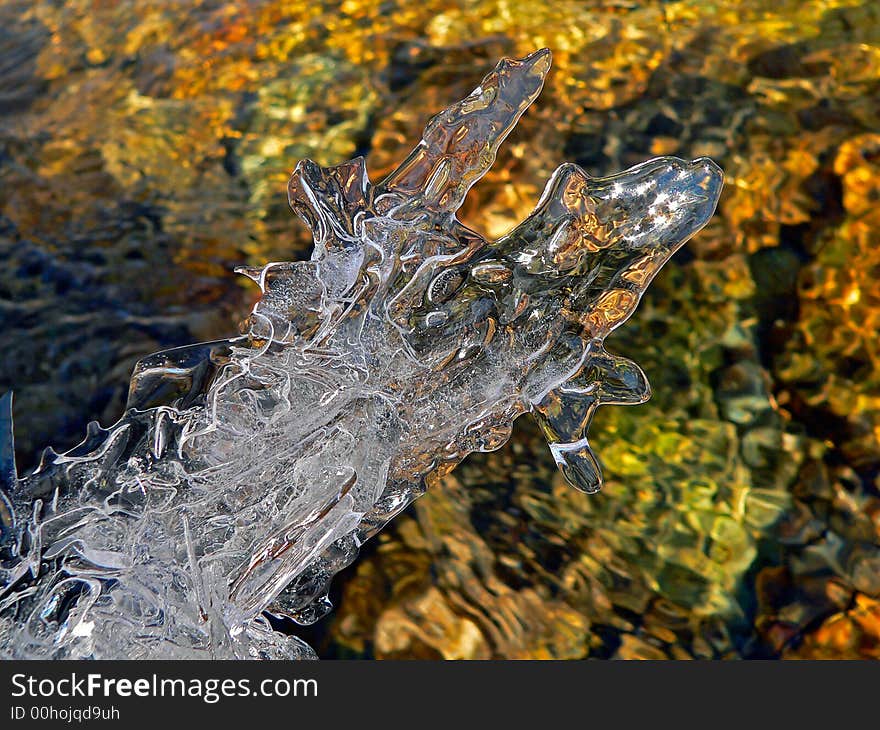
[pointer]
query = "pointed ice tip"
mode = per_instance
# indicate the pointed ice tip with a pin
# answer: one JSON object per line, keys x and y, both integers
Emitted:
{"x": 578, "y": 465}
{"x": 538, "y": 62}
{"x": 251, "y": 272}
{"x": 48, "y": 457}
{"x": 459, "y": 144}
{"x": 534, "y": 66}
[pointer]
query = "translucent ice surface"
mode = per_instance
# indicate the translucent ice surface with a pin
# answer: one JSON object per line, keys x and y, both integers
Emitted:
{"x": 247, "y": 472}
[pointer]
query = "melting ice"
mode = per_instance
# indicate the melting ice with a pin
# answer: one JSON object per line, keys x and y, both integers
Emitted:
{"x": 246, "y": 472}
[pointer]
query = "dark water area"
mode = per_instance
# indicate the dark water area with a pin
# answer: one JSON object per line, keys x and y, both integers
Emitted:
{"x": 144, "y": 152}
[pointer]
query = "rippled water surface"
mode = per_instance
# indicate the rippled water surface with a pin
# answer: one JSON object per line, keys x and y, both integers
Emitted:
{"x": 145, "y": 149}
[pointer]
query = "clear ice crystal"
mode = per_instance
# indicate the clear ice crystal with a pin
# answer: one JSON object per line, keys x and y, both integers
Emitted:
{"x": 246, "y": 472}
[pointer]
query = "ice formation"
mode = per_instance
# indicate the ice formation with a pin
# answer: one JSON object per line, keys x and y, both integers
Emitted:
{"x": 245, "y": 473}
